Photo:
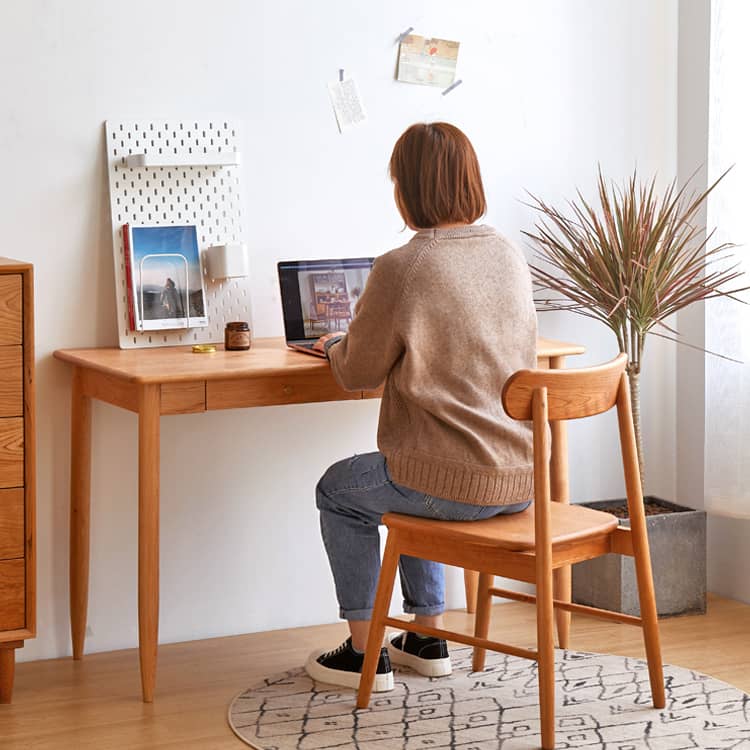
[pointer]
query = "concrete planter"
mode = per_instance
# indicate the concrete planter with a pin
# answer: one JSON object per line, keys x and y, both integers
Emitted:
{"x": 677, "y": 538}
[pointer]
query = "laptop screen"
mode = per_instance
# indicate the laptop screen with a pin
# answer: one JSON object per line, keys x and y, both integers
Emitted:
{"x": 319, "y": 296}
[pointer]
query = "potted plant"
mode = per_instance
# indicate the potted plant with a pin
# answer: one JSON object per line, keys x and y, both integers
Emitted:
{"x": 632, "y": 260}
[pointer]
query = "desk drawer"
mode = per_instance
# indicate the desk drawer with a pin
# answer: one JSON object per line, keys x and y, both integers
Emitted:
{"x": 183, "y": 398}
{"x": 11, "y": 452}
{"x": 11, "y": 381}
{"x": 11, "y": 302}
{"x": 291, "y": 389}
{"x": 12, "y": 596}
{"x": 11, "y": 523}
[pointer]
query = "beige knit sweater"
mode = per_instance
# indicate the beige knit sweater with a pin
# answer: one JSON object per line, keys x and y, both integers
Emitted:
{"x": 444, "y": 320}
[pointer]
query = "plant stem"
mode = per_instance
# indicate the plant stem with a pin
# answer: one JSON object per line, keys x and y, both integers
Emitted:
{"x": 635, "y": 407}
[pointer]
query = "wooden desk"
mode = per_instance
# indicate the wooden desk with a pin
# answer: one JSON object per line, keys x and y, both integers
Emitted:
{"x": 152, "y": 382}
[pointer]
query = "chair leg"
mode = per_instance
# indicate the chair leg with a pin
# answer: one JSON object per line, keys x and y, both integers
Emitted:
{"x": 471, "y": 580}
{"x": 386, "y": 580}
{"x": 649, "y": 619}
{"x": 562, "y": 581}
{"x": 546, "y": 659}
{"x": 482, "y": 619}
{"x": 641, "y": 554}
{"x": 560, "y": 493}
{"x": 545, "y": 614}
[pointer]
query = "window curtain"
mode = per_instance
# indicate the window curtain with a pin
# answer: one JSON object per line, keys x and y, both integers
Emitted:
{"x": 727, "y": 447}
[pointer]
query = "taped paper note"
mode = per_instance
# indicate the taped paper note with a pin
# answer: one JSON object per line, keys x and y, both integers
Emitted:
{"x": 346, "y": 103}
{"x": 431, "y": 62}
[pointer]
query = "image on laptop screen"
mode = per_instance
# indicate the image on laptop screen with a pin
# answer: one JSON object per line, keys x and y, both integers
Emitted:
{"x": 319, "y": 296}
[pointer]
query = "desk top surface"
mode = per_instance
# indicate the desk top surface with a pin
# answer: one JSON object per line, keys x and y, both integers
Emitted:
{"x": 266, "y": 357}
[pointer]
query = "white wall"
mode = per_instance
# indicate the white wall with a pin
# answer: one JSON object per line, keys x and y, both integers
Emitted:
{"x": 550, "y": 89}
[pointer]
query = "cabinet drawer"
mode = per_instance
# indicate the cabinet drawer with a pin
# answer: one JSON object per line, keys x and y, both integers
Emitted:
{"x": 11, "y": 302}
{"x": 11, "y": 524}
{"x": 12, "y": 595}
{"x": 292, "y": 389}
{"x": 11, "y": 452}
{"x": 11, "y": 381}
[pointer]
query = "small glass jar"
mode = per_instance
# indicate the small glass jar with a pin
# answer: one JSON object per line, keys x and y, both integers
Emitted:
{"x": 237, "y": 336}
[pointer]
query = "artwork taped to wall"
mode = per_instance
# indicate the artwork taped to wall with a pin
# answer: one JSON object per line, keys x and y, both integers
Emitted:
{"x": 430, "y": 62}
{"x": 165, "y": 281}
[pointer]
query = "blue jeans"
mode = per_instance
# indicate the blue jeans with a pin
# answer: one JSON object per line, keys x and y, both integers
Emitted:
{"x": 352, "y": 497}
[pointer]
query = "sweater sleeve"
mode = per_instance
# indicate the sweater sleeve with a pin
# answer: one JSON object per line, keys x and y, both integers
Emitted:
{"x": 362, "y": 359}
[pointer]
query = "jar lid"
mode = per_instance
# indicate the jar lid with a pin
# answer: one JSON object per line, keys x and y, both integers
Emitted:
{"x": 238, "y": 326}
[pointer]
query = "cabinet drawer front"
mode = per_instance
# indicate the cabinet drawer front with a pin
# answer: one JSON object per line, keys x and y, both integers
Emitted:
{"x": 11, "y": 523}
{"x": 11, "y": 302}
{"x": 12, "y": 596}
{"x": 292, "y": 389}
{"x": 11, "y": 381}
{"x": 11, "y": 452}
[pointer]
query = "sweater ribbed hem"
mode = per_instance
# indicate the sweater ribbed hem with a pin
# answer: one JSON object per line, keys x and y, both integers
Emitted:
{"x": 504, "y": 487}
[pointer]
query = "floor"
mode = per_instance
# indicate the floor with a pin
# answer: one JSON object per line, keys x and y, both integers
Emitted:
{"x": 94, "y": 704}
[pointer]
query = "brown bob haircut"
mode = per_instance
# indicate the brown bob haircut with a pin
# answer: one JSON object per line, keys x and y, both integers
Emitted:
{"x": 437, "y": 178}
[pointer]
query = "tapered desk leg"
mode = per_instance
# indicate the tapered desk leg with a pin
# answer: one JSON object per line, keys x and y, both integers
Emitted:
{"x": 148, "y": 534}
{"x": 560, "y": 494}
{"x": 80, "y": 511}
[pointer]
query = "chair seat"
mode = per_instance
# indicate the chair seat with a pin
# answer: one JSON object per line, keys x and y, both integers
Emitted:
{"x": 515, "y": 532}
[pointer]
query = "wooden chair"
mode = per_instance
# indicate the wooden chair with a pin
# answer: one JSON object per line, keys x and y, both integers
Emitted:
{"x": 317, "y": 315}
{"x": 338, "y": 313}
{"x": 529, "y": 546}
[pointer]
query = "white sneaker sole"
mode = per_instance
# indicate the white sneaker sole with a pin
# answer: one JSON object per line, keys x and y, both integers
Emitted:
{"x": 426, "y": 667}
{"x": 319, "y": 673}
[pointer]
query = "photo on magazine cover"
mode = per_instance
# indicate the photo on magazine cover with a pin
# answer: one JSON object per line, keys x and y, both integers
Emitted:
{"x": 167, "y": 279}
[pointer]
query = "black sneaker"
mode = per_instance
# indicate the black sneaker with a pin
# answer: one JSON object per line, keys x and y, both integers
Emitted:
{"x": 428, "y": 656}
{"x": 343, "y": 666}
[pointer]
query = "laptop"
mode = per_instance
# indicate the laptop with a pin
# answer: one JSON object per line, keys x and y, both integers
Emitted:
{"x": 318, "y": 297}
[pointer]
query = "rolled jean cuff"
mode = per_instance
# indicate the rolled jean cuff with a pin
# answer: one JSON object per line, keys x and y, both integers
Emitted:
{"x": 355, "y": 614}
{"x": 429, "y": 611}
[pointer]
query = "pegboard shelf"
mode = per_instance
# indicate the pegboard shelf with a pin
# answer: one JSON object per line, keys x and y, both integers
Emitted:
{"x": 205, "y": 159}
{"x": 195, "y": 180}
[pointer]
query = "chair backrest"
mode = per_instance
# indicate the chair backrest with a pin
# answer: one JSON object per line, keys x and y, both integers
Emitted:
{"x": 544, "y": 396}
{"x": 571, "y": 394}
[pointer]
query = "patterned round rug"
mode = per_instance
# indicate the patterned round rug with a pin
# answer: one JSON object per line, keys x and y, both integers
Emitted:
{"x": 601, "y": 702}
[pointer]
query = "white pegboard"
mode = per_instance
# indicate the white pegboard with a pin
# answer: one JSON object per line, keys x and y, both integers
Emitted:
{"x": 192, "y": 192}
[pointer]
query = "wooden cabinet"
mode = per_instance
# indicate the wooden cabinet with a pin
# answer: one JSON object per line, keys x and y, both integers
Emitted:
{"x": 17, "y": 466}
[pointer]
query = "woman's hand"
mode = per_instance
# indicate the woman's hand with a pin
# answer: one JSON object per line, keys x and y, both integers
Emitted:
{"x": 320, "y": 344}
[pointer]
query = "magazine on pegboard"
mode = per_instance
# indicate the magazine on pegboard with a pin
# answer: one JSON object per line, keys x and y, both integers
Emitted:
{"x": 165, "y": 282}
